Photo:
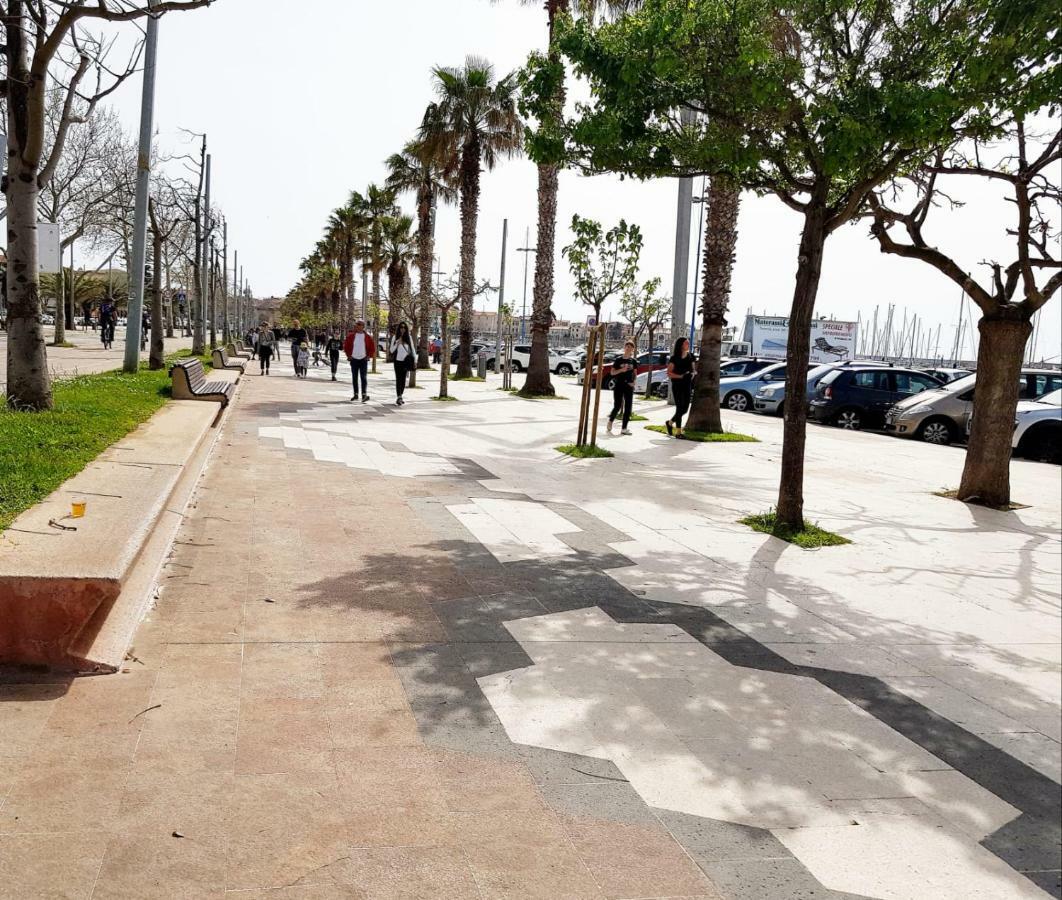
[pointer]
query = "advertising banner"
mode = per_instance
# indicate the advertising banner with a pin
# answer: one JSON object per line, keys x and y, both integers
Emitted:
{"x": 831, "y": 341}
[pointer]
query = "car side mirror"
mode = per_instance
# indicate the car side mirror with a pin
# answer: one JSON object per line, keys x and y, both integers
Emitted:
{"x": 767, "y": 378}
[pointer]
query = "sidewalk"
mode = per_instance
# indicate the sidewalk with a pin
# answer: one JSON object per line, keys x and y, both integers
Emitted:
{"x": 415, "y": 653}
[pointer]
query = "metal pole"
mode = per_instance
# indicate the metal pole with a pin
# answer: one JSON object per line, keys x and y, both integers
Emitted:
{"x": 226, "y": 328}
{"x": 140, "y": 210}
{"x": 204, "y": 272}
{"x": 523, "y": 314}
{"x": 682, "y": 247}
{"x": 365, "y": 294}
{"x": 498, "y": 358}
{"x": 703, "y": 201}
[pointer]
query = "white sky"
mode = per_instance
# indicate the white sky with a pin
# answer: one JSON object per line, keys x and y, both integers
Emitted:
{"x": 303, "y": 101}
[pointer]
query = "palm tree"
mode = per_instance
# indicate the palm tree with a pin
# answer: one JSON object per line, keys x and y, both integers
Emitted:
{"x": 344, "y": 231}
{"x": 399, "y": 250}
{"x": 474, "y": 123}
{"x": 538, "y": 381}
{"x": 425, "y": 173}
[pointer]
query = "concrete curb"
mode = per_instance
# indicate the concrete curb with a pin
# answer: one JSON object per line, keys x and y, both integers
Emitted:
{"x": 83, "y": 615}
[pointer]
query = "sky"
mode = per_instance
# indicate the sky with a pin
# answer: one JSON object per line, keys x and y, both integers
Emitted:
{"x": 303, "y": 101}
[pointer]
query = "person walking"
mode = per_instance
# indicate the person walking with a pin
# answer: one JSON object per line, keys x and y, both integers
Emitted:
{"x": 680, "y": 370}
{"x": 332, "y": 348}
{"x": 297, "y": 335}
{"x": 403, "y": 357}
{"x": 359, "y": 348}
{"x": 624, "y": 371}
{"x": 107, "y": 318}
{"x": 265, "y": 341}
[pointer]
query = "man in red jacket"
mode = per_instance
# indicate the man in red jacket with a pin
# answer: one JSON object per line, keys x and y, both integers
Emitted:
{"x": 359, "y": 348}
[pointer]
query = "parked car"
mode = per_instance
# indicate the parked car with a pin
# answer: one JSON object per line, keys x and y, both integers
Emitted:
{"x": 650, "y": 361}
{"x": 47, "y": 319}
{"x": 730, "y": 368}
{"x": 948, "y": 375}
{"x": 855, "y": 397}
{"x": 731, "y": 371}
{"x": 1038, "y": 428}
{"x": 770, "y": 399}
{"x": 939, "y": 416}
{"x": 522, "y": 359}
{"x": 737, "y": 392}
{"x": 570, "y": 361}
{"x": 456, "y": 351}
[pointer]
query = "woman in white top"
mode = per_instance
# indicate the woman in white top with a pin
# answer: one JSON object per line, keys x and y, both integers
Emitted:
{"x": 403, "y": 357}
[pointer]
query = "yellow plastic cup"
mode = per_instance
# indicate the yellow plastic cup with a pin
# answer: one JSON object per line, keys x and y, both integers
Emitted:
{"x": 77, "y": 509}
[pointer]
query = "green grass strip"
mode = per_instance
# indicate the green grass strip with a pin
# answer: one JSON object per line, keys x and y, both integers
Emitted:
{"x": 467, "y": 378}
{"x": 705, "y": 437}
{"x": 637, "y": 418}
{"x": 41, "y": 450}
{"x": 587, "y": 451}
{"x": 809, "y": 537}
{"x": 444, "y": 399}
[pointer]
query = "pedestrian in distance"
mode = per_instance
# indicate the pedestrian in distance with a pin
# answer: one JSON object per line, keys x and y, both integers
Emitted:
{"x": 680, "y": 369}
{"x": 359, "y": 348}
{"x": 302, "y": 361}
{"x": 333, "y": 348}
{"x": 265, "y": 341}
{"x": 107, "y": 319}
{"x": 624, "y": 371}
{"x": 297, "y": 335}
{"x": 403, "y": 357}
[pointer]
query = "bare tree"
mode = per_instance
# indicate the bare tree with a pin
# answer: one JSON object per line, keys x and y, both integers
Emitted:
{"x": 48, "y": 39}
{"x": 1028, "y": 167}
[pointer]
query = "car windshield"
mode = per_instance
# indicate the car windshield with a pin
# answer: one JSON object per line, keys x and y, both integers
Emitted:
{"x": 1052, "y": 399}
{"x": 959, "y": 384}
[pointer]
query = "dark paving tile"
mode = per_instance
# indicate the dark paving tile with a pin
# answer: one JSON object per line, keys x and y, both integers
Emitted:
{"x": 768, "y": 879}
{"x": 711, "y": 840}
{"x": 609, "y": 801}
{"x": 559, "y": 768}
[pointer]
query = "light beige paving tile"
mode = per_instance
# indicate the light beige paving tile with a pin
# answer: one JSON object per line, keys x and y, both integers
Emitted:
{"x": 162, "y": 866}
{"x": 59, "y": 866}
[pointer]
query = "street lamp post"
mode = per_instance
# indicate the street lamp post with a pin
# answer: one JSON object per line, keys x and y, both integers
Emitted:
{"x": 527, "y": 251}
{"x": 131, "y": 361}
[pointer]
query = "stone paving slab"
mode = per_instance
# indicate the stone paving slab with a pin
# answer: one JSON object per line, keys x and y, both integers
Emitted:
{"x": 602, "y": 688}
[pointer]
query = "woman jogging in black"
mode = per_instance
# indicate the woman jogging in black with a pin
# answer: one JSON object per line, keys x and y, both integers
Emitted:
{"x": 680, "y": 371}
{"x": 624, "y": 369}
{"x": 403, "y": 357}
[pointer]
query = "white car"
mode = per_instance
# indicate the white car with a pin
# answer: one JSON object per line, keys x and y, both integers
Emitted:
{"x": 522, "y": 359}
{"x": 1038, "y": 428}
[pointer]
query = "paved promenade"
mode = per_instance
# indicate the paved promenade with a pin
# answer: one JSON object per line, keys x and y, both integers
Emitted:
{"x": 86, "y": 356}
{"x": 413, "y": 652}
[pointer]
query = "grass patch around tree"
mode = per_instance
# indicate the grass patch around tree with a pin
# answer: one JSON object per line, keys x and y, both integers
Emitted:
{"x": 704, "y": 437}
{"x": 466, "y": 378}
{"x": 637, "y": 418}
{"x": 41, "y": 450}
{"x": 446, "y": 399}
{"x": 587, "y": 451}
{"x": 810, "y": 537}
{"x": 508, "y": 390}
{"x": 954, "y": 495}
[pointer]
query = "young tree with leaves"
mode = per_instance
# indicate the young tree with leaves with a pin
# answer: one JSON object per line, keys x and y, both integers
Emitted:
{"x": 818, "y": 107}
{"x": 648, "y": 310}
{"x": 604, "y": 264}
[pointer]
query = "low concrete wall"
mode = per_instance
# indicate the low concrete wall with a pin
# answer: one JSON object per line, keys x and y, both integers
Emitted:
{"x": 59, "y": 589}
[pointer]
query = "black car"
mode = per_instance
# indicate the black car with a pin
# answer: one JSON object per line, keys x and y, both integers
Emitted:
{"x": 859, "y": 396}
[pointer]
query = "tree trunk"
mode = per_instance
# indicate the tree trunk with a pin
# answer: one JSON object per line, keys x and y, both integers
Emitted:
{"x": 444, "y": 369}
{"x": 467, "y": 279}
{"x": 538, "y": 382}
{"x": 59, "y": 332}
{"x": 425, "y": 258}
{"x": 28, "y": 384}
{"x": 986, "y": 474}
{"x": 724, "y": 198}
{"x": 376, "y": 301}
{"x": 790, "y": 512}
{"x": 157, "y": 352}
{"x": 169, "y": 299}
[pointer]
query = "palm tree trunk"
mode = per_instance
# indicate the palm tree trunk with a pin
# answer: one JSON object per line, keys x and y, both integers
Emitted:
{"x": 425, "y": 257}
{"x": 470, "y": 156}
{"x": 376, "y": 302}
{"x": 720, "y": 239}
{"x": 538, "y": 383}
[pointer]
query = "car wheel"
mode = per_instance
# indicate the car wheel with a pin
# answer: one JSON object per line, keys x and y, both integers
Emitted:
{"x": 936, "y": 431}
{"x": 738, "y": 401}
{"x": 564, "y": 369}
{"x": 490, "y": 365}
{"x": 515, "y": 366}
{"x": 780, "y": 412}
{"x": 660, "y": 389}
{"x": 851, "y": 419}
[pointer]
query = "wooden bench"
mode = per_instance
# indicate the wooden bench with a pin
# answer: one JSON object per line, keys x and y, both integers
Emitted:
{"x": 219, "y": 359}
{"x": 240, "y": 349}
{"x": 189, "y": 383}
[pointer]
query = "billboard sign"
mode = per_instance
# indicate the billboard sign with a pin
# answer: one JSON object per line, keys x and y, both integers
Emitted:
{"x": 831, "y": 341}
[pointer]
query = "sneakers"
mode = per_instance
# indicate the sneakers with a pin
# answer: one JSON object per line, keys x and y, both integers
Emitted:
{"x": 355, "y": 397}
{"x": 333, "y": 377}
{"x": 670, "y": 427}
{"x": 610, "y": 424}
{"x": 399, "y": 401}
{"x": 626, "y": 431}
{"x": 365, "y": 399}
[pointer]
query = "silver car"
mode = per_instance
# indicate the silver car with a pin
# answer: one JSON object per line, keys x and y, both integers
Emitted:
{"x": 736, "y": 392}
{"x": 770, "y": 399}
{"x": 939, "y": 416}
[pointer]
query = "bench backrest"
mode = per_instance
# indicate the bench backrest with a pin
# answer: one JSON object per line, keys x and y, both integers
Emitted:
{"x": 193, "y": 370}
